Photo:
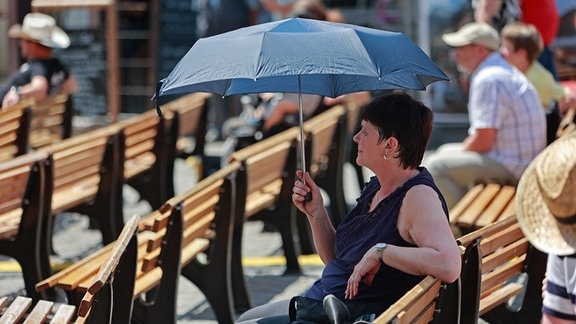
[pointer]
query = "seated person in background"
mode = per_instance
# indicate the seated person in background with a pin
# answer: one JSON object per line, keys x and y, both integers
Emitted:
{"x": 507, "y": 122}
{"x": 42, "y": 75}
{"x": 396, "y": 234}
{"x": 521, "y": 46}
{"x": 283, "y": 113}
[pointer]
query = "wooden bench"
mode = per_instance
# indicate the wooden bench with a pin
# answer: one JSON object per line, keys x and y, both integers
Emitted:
{"x": 24, "y": 195}
{"x": 85, "y": 172}
{"x": 108, "y": 295}
{"x": 189, "y": 115}
{"x": 157, "y": 259}
{"x": 264, "y": 191}
{"x": 51, "y": 120}
{"x": 171, "y": 240}
{"x": 15, "y": 130}
{"x": 496, "y": 258}
{"x": 430, "y": 301}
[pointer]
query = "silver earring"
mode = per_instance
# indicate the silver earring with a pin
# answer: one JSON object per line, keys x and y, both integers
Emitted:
{"x": 385, "y": 156}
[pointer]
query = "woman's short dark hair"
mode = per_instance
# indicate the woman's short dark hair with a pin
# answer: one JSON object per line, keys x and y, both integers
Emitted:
{"x": 408, "y": 120}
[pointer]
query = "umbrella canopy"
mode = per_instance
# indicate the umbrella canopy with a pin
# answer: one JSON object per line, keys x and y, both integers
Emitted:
{"x": 299, "y": 55}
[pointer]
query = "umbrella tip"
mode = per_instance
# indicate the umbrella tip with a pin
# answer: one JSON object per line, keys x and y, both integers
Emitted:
{"x": 156, "y": 98}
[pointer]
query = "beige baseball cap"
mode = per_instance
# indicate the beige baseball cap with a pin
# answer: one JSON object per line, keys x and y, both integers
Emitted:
{"x": 473, "y": 33}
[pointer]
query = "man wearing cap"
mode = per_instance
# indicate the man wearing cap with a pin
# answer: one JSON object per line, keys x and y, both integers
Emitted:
{"x": 42, "y": 75}
{"x": 507, "y": 124}
{"x": 546, "y": 211}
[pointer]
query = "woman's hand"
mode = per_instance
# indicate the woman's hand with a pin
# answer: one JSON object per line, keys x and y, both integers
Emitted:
{"x": 365, "y": 270}
{"x": 301, "y": 189}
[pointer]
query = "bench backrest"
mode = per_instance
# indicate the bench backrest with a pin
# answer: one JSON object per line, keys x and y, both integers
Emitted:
{"x": 148, "y": 154}
{"x": 191, "y": 112}
{"x": 24, "y": 196}
{"x": 14, "y": 130}
{"x": 265, "y": 165}
{"x": 108, "y": 298}
{"x": 51, "y": 120}
{"x": 326, "y": 137}
{"x": 325, "y": 134}
{"x": 86, "y": 174}
{"x": 495, "y": 258}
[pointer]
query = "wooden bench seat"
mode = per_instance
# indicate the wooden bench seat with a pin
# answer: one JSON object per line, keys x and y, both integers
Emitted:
{"x": 15, "y": 130}
{"x": 24, "y": 195}
{"x": 170, "y": 240}
{"x": 44, "y": 311}
{"x": 86, "y": 178}
{"x": 483, "y": 205}
{"x": 51, "y": 120}
{"x": 496, "y": 257}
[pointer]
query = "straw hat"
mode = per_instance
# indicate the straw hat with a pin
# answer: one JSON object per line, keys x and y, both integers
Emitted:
{"x": 546, "y": 198}
{"x": 40, "y": 28}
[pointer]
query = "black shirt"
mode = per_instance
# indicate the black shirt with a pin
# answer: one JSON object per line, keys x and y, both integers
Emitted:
{"x": 52, "y": 69}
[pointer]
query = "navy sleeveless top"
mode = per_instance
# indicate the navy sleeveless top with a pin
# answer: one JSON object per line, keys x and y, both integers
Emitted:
{"x": 358, "y": 232}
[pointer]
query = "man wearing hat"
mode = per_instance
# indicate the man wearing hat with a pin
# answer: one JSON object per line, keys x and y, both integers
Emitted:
{"x": 546, "y": 211}
{"x": 42, "y": 75}
{"x": 507, "y": 124}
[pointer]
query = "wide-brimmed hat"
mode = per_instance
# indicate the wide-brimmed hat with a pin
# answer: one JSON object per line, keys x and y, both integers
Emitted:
{"x": 41, "y": 28}
{"x": 474, "y": 33}
{"x": 546, "y": 198}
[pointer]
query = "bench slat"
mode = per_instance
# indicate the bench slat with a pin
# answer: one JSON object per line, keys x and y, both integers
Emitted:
{"x": 470, "y": 215}
{"x": 421, "y": 296}
{"x": 495, "y": 210}
{"x": 64, "y": 314}
{"x": 40, "y": 312}
{"x": 16, "y": 311}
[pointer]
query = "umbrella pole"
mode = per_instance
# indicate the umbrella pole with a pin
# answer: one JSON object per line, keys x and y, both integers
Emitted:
{"x": 301, "y": 120}
{"x": 302, "y": 148}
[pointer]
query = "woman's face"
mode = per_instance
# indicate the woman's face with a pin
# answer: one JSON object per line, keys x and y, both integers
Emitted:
{"x": 369, "y": 152}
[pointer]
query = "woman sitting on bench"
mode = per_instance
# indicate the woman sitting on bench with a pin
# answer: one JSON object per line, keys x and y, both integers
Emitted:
{"x": 397, "y": 233}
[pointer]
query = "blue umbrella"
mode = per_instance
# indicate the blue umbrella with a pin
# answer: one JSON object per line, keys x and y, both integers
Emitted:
{"x": 299, "y": 55}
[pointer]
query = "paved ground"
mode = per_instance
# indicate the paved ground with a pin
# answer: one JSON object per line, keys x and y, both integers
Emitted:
{"x": 263, "y": 269}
